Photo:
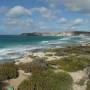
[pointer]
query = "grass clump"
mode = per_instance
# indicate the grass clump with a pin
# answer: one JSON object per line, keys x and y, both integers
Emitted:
{"x": 71, "y": 63}
{"x": 78, "y": 50}
{"x": 8, "y": 71}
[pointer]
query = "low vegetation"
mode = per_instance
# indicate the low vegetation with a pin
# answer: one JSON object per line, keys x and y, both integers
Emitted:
{"x": 71, "y": 63}
{"x": 45, "y": 75}
{"x": 78, "y": 50}
{"x": 37, "y": 64}
{"x": 8, "y": 71}
{"x": 88, "y": 85}
{"x": 26, "y": 67}
{"x": 44, "y": 79}
{"x": 47, "y": 81}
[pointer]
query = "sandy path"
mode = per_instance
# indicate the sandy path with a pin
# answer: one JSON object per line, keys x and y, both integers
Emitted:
{"x": 77, "y": 76}
{"x": 16, "y": 82}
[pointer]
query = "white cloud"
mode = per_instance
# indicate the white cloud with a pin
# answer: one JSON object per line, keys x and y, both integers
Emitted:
{"x": 19, "y": 23}
{"x": 63, "y": 21}
{"x": 78, "y": 21}
{"x": 13, "y": 17}
{"x": 45, "y": 12}
{"x": 81, "y": 6}
{"x": 18, "y": 11}
{"x": 72, "y": 24}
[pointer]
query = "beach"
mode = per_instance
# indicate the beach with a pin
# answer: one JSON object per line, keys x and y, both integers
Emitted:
{"x": 53, "y": 54}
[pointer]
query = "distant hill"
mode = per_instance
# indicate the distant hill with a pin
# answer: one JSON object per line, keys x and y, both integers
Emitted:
{"x": 67, "y": 33}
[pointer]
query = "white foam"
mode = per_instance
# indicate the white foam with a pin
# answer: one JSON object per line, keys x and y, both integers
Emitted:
{"x": 18, "y": 51}
{"x": 43, "y": 42}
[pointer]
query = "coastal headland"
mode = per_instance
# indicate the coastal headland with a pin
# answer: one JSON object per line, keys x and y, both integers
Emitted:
{"x": 67, "y": 33}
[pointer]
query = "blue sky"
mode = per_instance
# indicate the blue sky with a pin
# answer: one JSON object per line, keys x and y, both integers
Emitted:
{"x": 19, "y": 16}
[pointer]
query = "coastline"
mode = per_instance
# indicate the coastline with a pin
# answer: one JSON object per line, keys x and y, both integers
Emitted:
{"x": 42, "y": 53}
{"x": 24, "y": 45}
{"x": 38, "y": 52}
{"x": 53, "y": 56}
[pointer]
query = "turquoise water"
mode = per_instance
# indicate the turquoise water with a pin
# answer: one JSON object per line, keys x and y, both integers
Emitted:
{"x": 12, "y": 47}
{"x": 13, "y": 41}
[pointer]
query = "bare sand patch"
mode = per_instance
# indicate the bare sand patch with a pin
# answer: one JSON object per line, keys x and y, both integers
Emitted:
{"x": 16, "y": 82}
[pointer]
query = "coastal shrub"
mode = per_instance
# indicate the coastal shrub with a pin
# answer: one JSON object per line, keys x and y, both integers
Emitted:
{"x": 38, "y": 65}
{"x": 71, "y": 63}
{"x": 88, "y": 85}
{"x": 8, "y": 71}
{"x": 47, "y": 81}
{"x": 62, "y": 81}
{"x": 71, "y": 50}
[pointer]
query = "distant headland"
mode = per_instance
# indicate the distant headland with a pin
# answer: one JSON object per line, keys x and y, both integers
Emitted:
{"x": 66, "y": 33}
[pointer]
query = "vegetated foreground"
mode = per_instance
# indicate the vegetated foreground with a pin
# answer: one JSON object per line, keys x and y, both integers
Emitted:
{"x": 72, "y": 72}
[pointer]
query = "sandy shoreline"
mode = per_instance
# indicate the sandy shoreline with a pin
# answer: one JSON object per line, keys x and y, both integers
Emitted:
{"x": 48, "y": 56}
{"x": 42, "y": 53}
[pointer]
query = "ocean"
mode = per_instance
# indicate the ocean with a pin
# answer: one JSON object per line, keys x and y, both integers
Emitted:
{"x": 13, "y": 46}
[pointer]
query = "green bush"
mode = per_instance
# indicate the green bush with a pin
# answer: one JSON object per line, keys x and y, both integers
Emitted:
{"x": 62, "y": 81}
{"x": 8, "y": 71}
{"x": 48, "y": 81}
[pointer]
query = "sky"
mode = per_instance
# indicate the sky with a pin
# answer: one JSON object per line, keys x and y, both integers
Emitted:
{"x": 23, "y": 16}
